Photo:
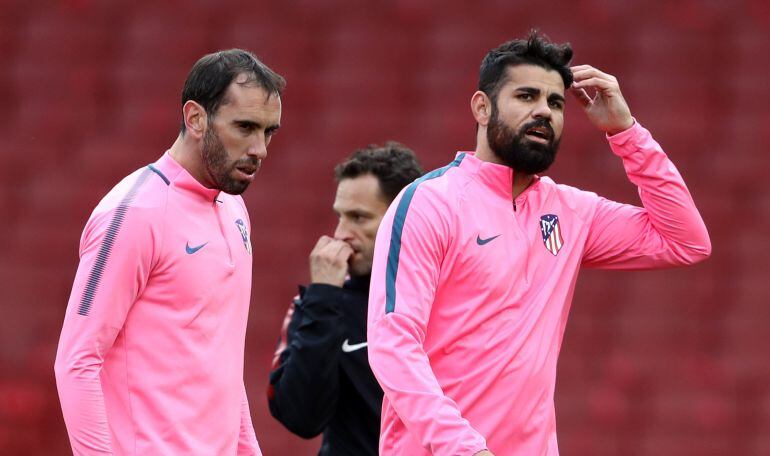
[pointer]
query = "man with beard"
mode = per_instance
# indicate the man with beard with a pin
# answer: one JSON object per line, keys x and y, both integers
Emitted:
{"x": 321, "y": 380}
{"x": 150, "y": 359}
{"x": 475, "y": 263}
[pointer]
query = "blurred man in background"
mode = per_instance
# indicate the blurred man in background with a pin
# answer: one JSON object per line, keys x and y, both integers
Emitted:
{"x": 320, "y": 379}
{"x": 475, "y": 263}
{"x": 150, "y": 359}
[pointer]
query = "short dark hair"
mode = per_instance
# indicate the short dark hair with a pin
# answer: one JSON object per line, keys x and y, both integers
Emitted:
{"x": 394, "y": 165}
{"x": 210, "y": 77}
{"x": 535, "y": 50}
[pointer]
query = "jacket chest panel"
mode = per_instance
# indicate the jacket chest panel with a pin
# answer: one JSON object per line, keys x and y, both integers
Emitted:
{"x": 206, "y": 253}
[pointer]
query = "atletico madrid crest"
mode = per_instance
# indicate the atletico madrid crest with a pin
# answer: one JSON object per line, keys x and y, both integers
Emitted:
{"x": 549, "y": 227}
{"x": 244, "y": 234}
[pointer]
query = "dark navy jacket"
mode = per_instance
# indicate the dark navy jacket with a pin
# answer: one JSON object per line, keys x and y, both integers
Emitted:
{"x": 320, "y": 380}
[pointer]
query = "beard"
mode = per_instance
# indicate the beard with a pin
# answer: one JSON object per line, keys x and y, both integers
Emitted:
{"x": 216, "y": 161}
{"x": 362, "y": 267}
{"x": 516, "y": 151}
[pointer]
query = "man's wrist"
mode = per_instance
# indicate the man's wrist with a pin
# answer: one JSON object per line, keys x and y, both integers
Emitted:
{"x": 614, "y": 132}
{"x": 326, "y": 279}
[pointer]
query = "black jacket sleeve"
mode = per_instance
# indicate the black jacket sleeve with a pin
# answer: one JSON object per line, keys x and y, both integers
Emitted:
{"x": 304, "y": 380}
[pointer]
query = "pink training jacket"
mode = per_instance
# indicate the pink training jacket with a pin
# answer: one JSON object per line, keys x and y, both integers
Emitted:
{"x": 470, "y": 293}
{"x": 150, "y": 360}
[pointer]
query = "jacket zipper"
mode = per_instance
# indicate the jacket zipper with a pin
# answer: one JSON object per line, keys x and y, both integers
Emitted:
{"x": 218, "y": 215}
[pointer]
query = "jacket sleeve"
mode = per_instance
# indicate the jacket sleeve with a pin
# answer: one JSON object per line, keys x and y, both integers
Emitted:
{"x": 247, "y": 439}
{"x": 410, "y": 246}
{"x": 304, "y": 381}
{"x": 666, "y": 231}
{"x": 116, "y": 255}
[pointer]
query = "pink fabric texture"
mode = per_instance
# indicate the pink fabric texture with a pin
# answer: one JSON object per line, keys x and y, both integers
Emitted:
{"x": 471, "y": 290}
{"x": 150, "y": 360}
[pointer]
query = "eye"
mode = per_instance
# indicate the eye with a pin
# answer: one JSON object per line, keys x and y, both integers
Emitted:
{"x": 360, "y": 218}
{"x": 271, "y": 131}
{"x": 246, "y": 128}
{"x": 556, "y": 104}
{"x": 524, "y": 96}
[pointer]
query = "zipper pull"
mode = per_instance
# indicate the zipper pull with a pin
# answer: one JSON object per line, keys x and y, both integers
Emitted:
{"x": 513, "y": 181}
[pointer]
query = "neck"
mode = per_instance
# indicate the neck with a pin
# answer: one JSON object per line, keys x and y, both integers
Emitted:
{"x": 183, "y": 151}
{"x": 520, "y": 180}
{"x": 520, "y": 183}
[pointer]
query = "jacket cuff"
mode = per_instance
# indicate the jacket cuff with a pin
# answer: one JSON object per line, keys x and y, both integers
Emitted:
{"x": 628, "y": 141}
{"x": 321, "y": 297}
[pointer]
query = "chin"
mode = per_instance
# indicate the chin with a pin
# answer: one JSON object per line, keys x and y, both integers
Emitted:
{"x": 359, "y": 270}
{"x": 234, "y": 187}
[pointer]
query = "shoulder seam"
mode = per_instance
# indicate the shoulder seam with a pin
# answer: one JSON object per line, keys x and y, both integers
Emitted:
{"x": 159, "y": 173}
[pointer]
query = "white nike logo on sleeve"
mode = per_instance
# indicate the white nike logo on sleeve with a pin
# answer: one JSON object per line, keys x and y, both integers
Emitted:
{"x": 347, "y": 348}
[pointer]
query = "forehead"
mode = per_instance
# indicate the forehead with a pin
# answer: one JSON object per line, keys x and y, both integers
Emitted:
{"x": 362, "y": 192}
{"x": 251, "y": 99}
{"x": 518, "y": 76}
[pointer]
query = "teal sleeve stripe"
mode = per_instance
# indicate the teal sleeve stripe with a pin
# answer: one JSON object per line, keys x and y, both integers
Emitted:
{"x": 398, "y": 228}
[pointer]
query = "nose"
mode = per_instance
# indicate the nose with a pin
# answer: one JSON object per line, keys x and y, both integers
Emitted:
{"x": 258, "y": 149}
{"x": 541, "y": 109}
{"x": 342, "y": 232}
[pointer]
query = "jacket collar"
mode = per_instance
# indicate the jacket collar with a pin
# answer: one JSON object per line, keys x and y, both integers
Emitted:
{"x": 181, "y": 179}
{"x": 498, "y": 178}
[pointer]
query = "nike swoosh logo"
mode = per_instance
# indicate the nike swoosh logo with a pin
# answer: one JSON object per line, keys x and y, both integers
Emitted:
{"x": 347, "y": 348}
{"x": 191, "y": 250}
{"x": 480, "y": 241}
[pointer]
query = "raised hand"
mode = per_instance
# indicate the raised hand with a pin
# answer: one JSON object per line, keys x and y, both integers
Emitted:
{"x": 329, "y": 261}
{"x": 606, "y": 109}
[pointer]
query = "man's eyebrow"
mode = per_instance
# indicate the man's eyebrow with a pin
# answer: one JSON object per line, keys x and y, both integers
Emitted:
{"x": 255, "y": 125}
{"x": 353, "y": 211}
{"x": 536, "y": 91}
{"x": 246, "y": 123}
{"x": 530, "y": 90}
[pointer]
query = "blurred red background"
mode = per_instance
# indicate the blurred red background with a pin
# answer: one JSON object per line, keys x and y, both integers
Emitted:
{"x": 653, "y": 363}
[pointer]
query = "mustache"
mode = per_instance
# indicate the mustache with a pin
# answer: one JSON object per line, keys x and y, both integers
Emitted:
{"x": 248, "y": 162}
{"x": 538, "y": 123}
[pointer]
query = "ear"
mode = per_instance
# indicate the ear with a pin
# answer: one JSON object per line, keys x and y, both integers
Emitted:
{"x": 195, "y": 119}
{"x": 481, "y": 106}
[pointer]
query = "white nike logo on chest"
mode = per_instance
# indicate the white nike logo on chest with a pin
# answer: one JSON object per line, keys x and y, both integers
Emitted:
{"x": 347, "y": 348}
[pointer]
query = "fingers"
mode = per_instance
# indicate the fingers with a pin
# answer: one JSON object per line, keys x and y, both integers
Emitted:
{"x": 581, "y": 96}
{"x": 323, "y": 241}
{"x": 329, "y": 261}
{"x": 332, "y": 249}
{"x": 597, "y": 83}
{"x": 588, "y": 76}
{"x": 340, "y": 250}
{"x": 580, "y": 72}
{"x": 607, "y": 109}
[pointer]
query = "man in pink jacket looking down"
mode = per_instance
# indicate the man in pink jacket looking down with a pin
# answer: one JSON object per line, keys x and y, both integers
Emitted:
{"x": 475, "y": 263}
{"x": 150, "y": 360}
